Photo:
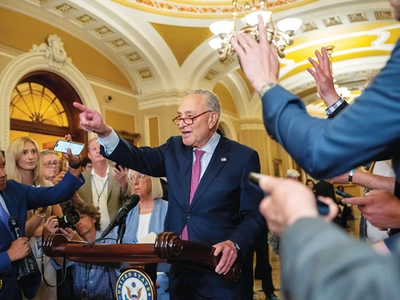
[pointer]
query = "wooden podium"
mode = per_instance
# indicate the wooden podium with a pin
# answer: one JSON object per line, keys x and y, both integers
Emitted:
{"x": 168, "y": 247}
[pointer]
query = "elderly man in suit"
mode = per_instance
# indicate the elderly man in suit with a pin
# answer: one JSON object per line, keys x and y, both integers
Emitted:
{"x": 222, "y": 211}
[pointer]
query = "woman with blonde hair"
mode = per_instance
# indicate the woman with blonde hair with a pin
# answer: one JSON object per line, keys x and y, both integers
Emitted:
{"x": 23, "y": 165}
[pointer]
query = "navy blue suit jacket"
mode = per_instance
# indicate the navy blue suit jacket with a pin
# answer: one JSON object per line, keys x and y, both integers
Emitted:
{"x": 224, "y": 206}
{"x": 367, "y": 130}
{"x": 19, "y": 198}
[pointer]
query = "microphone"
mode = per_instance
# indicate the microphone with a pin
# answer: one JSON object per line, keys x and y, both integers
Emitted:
{"x": 121, "y": 214}
{"x": 28, "y": 264}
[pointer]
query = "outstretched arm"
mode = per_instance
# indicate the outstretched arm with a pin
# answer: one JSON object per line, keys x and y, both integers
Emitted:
{"x": 92, "y": 121}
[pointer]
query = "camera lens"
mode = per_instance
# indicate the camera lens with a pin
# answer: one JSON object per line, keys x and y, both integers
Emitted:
{"x": 70, "y": 218}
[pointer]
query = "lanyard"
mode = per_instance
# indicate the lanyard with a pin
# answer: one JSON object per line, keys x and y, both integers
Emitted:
{"x": 101, "y": 192}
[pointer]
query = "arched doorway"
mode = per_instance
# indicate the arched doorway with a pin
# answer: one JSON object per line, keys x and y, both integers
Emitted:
{"x": 46, "y": 65}
{"x": 41, "y": 105}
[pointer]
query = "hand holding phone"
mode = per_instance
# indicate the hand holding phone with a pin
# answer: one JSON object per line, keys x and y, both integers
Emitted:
{"x": 343, "y": 194}
{"x": 63, "y": 145}
{"x": 323, "y": 208}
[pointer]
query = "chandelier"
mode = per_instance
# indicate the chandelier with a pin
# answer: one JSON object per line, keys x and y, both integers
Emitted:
{"x": 280, "y": 35}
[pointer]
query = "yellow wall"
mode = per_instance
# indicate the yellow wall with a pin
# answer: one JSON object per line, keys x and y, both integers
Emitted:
{"x": 84, "y": 57}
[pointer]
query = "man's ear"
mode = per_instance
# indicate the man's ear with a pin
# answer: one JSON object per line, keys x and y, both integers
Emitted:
{"x": 213, "y": 119}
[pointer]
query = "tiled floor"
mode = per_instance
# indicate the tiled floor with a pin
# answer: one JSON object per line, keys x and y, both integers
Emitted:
{"x": 352, "y": 230}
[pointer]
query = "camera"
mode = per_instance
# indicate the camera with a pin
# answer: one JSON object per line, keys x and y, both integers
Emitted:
{"x": 69, "y": 219}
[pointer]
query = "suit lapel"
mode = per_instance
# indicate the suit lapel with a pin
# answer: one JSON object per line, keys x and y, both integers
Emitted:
{"x": 216, "y": 164}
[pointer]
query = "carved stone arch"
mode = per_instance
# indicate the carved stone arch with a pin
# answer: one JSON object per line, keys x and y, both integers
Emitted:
{"x": 48, "y": 57}
{"x": 226, "y": 125}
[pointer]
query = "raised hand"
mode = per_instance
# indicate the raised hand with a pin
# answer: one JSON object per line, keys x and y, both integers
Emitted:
{"x": 322, "y": 75}
{"x": 120, "y": 174}
{"x": 92, "y": 121}
{"x": 258, "y": 60}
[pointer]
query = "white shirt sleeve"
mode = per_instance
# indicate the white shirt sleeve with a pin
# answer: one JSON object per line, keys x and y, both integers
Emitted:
{"x": 110, "y": 142}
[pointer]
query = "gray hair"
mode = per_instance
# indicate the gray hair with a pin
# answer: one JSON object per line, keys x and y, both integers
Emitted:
{"x": 212, "y": 101}
{"x": 156, "y": 188}
{"x": 292, "y": 173}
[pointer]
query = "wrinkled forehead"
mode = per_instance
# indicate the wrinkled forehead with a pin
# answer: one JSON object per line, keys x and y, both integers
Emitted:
{"x": 192, "y": 103}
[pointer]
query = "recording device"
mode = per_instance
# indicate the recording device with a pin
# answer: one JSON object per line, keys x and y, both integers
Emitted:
{"x": 63, "y": 145}
{"x": 69, "y": 219}
{"x": 323, "y": 208}
{"x": 343, "y": 194}
{"x": 28, "y": 264}
{"x": 121, "y": 214}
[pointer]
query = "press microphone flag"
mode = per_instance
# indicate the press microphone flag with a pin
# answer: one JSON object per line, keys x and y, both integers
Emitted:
{"x": 121, "y": 214}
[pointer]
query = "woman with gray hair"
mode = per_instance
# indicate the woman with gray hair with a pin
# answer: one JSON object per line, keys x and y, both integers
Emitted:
{"x": 148, "y": 217}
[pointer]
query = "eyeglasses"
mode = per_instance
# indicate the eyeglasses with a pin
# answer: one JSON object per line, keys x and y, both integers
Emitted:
{"x": 55, "y": 163}
{"x": 188, "y": 121}
{"x": 139, "y": 176}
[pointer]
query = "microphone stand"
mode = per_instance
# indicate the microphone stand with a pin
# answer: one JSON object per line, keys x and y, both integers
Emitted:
{"x": 121, "y": 230}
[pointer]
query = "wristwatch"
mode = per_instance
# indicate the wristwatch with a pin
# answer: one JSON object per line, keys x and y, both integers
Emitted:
{"x": 266, "y": 87}
{"x": 351, "y": 174}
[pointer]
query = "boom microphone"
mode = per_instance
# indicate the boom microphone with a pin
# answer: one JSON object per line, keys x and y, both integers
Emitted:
{"x": 121, "y": 214}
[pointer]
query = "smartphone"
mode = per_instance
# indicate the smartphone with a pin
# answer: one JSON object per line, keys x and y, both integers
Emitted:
{"x": 63, "y": 145}
{"x": 323, "y": 209}
{"x": 117, "y": 165}
{"x": 343, "y": 194}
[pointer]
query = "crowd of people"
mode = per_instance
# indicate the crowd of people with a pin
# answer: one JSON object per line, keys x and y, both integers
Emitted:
{"x": 209, "y": 199}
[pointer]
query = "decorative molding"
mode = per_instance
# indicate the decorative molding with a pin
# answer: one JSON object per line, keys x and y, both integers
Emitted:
{"x": 358, "y": 17}
{"x": 133, "y": 58}
{"x": 65, "y": 8}
{"x": 39, "y": 2}
{"x": 145, "y": 74}
{"x": 384, "y": 15}
{"x": 54, "y": 51}
{"x": 228, "y": 61}
{"x": 102, "y": 32}
{"x": 332, "y": 21}
{"x": 84, "y": 20}
{"x": 309, "y": 26}
{"x": 201, "y": 7}
{"x": 41, "y": 58}
{"x": 211, "y": 74}
{"x": 160, "y": 99}
{"x": 118, "y": 44}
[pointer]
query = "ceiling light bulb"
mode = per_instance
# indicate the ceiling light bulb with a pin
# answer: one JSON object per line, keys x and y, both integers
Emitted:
{"x": 215, "y": 43}
{"x": 251, "y": 19}
{"x": 221, "y": 27}
{"x": 289, "y": 24}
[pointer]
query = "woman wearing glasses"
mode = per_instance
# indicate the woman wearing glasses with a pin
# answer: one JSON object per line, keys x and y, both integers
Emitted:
{"x": 23, "y": 165}
{"x": 148, "y": 217}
